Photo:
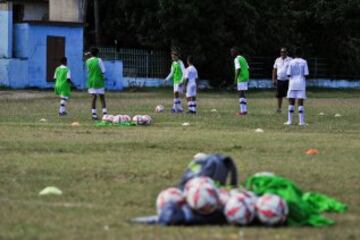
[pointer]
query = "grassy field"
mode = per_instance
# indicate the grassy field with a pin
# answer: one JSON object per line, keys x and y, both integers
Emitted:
{"x": 109, "y": 175}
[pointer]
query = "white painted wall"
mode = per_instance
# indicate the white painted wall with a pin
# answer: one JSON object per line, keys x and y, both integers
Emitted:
{"x": 65, "y": 10}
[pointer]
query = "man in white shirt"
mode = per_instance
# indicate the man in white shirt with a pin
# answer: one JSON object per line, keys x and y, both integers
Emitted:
{"x": 296, "y": 72}
{"x": 279, "y": 76}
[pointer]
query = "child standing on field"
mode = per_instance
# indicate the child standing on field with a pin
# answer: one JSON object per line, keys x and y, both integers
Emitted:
{"x": 241, "y": 79}
{"x": 297, "y": 72}
{"x": 177, "y": 73}
{"x": 191, "y": 76}
{"x": 96, "y": 81}
{"x": 62, "y": 77}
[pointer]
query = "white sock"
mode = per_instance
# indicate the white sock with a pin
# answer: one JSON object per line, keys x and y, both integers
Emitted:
{"x": 301, "y": 115}
{"x": 190, "y": 103}
{"x": 194, "y": 106}
{"x": 174, "y": 104}
{"x": 104, "y": 111}
{"x": 290, "y": 112}
{"x": 93, "y": 111}
{"x": 178, "y": 104}
{"x": 243, "y": 105}
{"x": 62, "y": 108}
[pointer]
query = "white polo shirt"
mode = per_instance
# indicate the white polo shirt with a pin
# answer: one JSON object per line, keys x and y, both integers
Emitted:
{"x": 297, "y": 70}
{"x": 281, "y": 66}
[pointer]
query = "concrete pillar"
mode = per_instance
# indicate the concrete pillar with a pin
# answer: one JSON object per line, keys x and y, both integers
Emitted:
{"x": 6, "y": 30}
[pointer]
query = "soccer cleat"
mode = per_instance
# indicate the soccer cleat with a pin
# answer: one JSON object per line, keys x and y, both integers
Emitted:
{"x": 241, "y": 114}
{"x": 288, "y": 123}
{"x": 303, "y": 124}
{"x": 62, "y": 114}
{"x": 190, "y": 112}
{"x": 173, "y": 110}
{"x": 278, "y": 110}
{"x": 95, "y": 118}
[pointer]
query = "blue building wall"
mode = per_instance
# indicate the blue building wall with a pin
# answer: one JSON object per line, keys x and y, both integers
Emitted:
{"x": 6, "y": 34}
{"x": 30, "y": 43}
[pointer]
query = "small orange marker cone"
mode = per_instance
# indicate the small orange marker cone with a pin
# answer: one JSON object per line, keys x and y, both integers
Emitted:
{"x": 312, "y": 151}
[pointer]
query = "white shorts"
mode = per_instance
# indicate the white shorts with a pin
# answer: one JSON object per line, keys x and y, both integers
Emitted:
{"x": 242, "y": 86}
{"x": 178, "y": 88}
{"x": 100, "y": 91}
{"x": 191, "y": 90}
{"x": 296, "y": 94}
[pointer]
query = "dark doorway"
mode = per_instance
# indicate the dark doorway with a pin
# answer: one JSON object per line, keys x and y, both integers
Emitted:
{"x": 55, "y": 51}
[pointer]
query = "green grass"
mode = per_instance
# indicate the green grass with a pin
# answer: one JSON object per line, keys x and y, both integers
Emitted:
{"x": 109, "y": 175}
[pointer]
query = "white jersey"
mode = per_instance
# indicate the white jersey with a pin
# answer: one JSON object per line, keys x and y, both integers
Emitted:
{"x": 297, "y": 71}
{"x": 191, "y": 74}
{"x": 281, "y": 65}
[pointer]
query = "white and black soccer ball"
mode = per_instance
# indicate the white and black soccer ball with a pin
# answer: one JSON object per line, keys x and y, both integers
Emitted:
{"x": 203, "y": 198}
{"x": 271, "y": 210}
{"x": 159, "y": 108}
{"x": 108, "y": 118}
{"x": 238, "y": 211}
{"x": 170, "y": 195}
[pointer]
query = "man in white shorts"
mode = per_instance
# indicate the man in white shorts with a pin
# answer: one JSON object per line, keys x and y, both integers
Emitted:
{"x": 191, "y": 76}
{"x": 177, "y": 74}
{"x": 242, "y": 76}
{"x": 296, "y": 72}
{"x": 96, "y": 81}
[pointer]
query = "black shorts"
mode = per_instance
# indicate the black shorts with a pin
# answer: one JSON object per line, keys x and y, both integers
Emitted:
{"x": 282, "y": 88}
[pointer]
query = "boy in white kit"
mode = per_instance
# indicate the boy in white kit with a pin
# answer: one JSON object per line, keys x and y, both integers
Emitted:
{"x": 296, "y": 72}
{"x": 191, "y": 76}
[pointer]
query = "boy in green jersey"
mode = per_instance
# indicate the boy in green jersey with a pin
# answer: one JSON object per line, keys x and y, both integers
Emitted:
{"x": 177, "y": 74}
{"x": 241, "y": 79}
{"x": 96, "y": 81}
{"x": 62, "y": 77}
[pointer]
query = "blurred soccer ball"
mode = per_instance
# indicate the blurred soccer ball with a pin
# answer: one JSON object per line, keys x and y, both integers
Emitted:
{"x": 198, "y": 181}
{"x": 138, "y": 119}
{"x": 239, "y": 211}
{"x": 116, "y": 119}
{"x": 147, "y": 120}
{"x": 125, "y": 118}
{"x": 170, "y": 195}
{"x": 159, "y": 108}
{"x": 271, "y": 210}
{"x": 203, "y": 198}
{"x": 108, "y": 118}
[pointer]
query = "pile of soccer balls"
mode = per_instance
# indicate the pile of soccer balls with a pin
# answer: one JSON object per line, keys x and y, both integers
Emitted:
{"x": 118, "y": 119}
{"x": 239, "y": 207}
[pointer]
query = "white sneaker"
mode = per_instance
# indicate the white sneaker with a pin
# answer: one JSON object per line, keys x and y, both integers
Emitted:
{"x": 303, "y": 124}
{"x": 288, "y": 123}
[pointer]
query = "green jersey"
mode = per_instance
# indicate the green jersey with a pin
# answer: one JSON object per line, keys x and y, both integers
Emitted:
{"x": 95, "y": 71}
{"x": 62, "y": 85}
{"x": 177, "y": 72}
{"x": 242, "y": 65}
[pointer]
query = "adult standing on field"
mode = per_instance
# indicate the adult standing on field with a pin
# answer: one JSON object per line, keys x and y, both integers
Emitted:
{"x": 242, "y": 76}
{"x": 280, "y": 78}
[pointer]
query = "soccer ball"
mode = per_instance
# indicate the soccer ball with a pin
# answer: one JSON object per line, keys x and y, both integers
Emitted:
{"x": 125, "y": 118}
{"x": 159, "y": 108}
{"x": 238, "y": 211}
{"x": 116, "y": 119}
{"x": 271, "y": 210}
{"x": 108, "y": 118}
{"x": 198, "y": 181}
{"x": 224, "y": 196}
{"x": 147, "y": 120}
{"x": 249, "y": 197}
{"x": 170, "y": 195}
{"x": 138, "y": 119}
{"x": 203, "y": 198}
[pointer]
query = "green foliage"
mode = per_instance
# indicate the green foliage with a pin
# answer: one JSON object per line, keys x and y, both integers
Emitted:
{"x": 207, "y": 29}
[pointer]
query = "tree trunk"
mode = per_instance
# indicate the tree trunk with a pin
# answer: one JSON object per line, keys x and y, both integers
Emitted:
{"x": 97, "y": 23}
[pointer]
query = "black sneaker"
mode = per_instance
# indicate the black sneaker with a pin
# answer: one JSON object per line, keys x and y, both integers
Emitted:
{"x": 62, "y": 114}
{"x": 95, "y": 118}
